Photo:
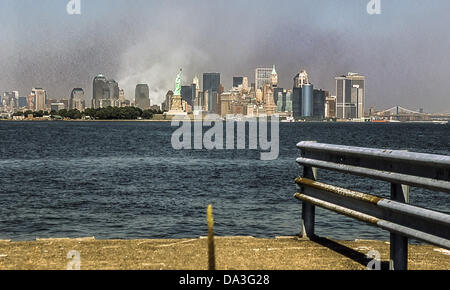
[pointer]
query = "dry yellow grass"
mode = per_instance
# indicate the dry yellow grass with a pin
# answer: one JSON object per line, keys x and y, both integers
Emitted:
{"x": 232, "y": 253}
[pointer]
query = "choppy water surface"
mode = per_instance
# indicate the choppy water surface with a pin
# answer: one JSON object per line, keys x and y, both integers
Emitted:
{"x": 123, "y": 180}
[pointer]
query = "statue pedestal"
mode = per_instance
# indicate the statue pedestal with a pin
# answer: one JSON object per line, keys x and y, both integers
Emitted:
{"x": 176, "y": 108}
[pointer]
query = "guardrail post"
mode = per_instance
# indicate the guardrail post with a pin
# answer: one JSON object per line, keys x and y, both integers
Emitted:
{"x": 399, "y": 243}
{"x": 308, "y": 209}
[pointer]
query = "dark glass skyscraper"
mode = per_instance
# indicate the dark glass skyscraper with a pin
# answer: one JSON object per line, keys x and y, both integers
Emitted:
{"x": 188, "y": 93}
{"x": 99, "y": 86}
{"x": 319, "y": 104}
{"x": 307, "y": 100}
{"x": 105, "y": 92}
{"x": 142, "y": 96}
{"x": 297, "y": 102}
{"x": 237, "y": 81}
{"x": 211, "y": 83}
{"x": 275, "y": 93}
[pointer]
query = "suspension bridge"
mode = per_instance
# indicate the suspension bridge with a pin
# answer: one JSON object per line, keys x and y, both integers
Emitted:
{"x": 404, "y": 114}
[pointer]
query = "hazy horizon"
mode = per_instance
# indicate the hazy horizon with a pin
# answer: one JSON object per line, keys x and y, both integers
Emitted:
{"x": 402, "y": 52}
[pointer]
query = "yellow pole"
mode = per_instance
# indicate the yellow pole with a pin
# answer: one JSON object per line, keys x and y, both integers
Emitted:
{"x": 211, "y": 247}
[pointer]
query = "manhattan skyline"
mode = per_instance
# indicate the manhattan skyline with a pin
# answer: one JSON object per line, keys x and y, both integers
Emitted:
{"x": 403, "y": 51}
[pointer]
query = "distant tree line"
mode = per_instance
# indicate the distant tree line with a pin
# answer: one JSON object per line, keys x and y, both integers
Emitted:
{"x": 109, "y": 113}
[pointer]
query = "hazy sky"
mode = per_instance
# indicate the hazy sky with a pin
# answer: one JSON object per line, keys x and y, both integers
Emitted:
{"x": 404, "y": 52}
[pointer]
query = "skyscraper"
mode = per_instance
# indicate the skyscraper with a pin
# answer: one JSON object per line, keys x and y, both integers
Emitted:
{"x": 301, "y": 79}
{"x": 40, "y": 96}
{"x": 302, "y": 96}
{"x": 23, "y": 102}
{"x": 350, "y": 96}
{"x": 319, "y": 100}
{"x": 307, "y": 100}
{"x": 276, "y": 93}
{"x": 274, "y": 78}
{"x": 142, "y": 96}
{"x": 113, "y": 90}
{"x": 284, "y": 102}
{"x": 211, "y": 84}
{"x": 76, "y": 100}
{"x": 297, "y": 102}
{"x": 237, "y": 81}
{"x": 263, "y": 76}
{"x": 188, "y": 94}
{"x": 105, "y": 92}
{"x": 98, "y": 85}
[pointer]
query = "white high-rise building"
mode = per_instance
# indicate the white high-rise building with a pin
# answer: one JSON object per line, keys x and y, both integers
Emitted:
{"x": 40, "y": 98}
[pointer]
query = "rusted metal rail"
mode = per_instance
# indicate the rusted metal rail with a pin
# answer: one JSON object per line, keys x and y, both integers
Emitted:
{"x": 401, "y": 169}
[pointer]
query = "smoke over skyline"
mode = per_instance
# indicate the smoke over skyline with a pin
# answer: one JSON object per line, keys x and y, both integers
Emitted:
{"x": 403, "y": 52}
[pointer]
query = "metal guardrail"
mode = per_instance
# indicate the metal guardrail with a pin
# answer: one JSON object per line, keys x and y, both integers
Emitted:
{"x": 400, "y": 168}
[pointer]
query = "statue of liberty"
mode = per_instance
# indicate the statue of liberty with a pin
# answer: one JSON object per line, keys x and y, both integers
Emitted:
{"x": 176, "y": 106}
{"x": 177, "y": 91}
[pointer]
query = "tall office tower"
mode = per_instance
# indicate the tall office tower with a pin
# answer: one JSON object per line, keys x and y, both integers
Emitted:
{"x": 165, "y": 107}
{"x": 76, "y": 100}
{"x": 259, "y": 96}
{"x": 105, "y": 92}
{"x": 199, "y": 101}
{"x": 188, "y": 94}
{"x": 319, "y": 104}
{"x": 269, "y": 103}
{"x": 40, "y": 95}
{"x": 245, "y": 86}
{"x": 122, "y": 95}
{"x": 16, "y": 98}
{"x": 31, "y": 99}
{"x": 113, "y": 88}
{"x": 206, "y": 101}
{"x": 280, "y": 102}
{"x": 211, "y": 84}
{"x": 9, "y": 100}
{"x": 307, "y": 100}
{"x": 274, "y": 78}
{"x": 196, "y": 82}
{"x": 288, "y": 102}
{"x": 142, "y": 96}
{"x": 23, "y": 102}
{"x": 276, "y": 92}
{"x": 263, "y": 76}
{"x": 301, "y": 79}
{"x": 330, "y": 107}
{"x": 284, "y": 103}
{"x": 238, "y": 81}
{"x": 99, "y": 85}
{"x": 350, "y": 96}
{"x": 297, "y": 102}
